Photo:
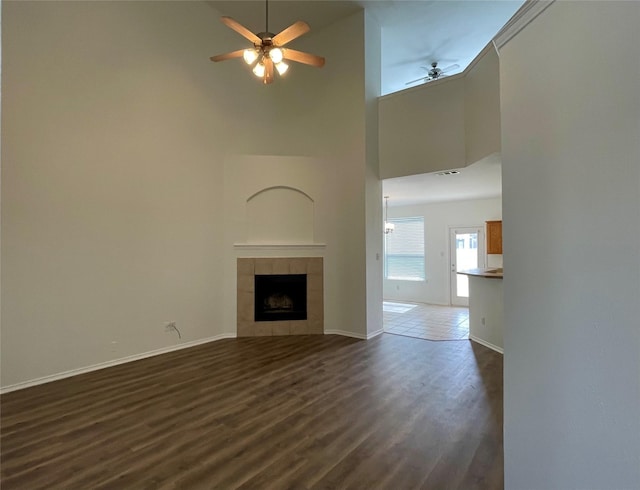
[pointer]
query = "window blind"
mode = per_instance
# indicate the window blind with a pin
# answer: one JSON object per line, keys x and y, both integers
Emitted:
{"x": 404, "y": 250}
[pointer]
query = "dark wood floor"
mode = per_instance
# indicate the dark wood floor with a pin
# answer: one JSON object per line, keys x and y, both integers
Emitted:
{"x": 267, "y": 412}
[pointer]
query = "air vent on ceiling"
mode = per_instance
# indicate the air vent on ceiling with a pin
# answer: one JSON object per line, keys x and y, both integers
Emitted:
{"x": 448, "y": 172}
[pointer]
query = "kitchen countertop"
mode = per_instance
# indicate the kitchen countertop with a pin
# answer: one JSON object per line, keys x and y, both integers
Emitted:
{"x": 490, "y": 272}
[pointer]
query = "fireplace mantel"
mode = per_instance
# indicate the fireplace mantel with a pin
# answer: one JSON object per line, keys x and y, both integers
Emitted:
{"x": 289, "y": 248}
{"x": 283, "y": 246}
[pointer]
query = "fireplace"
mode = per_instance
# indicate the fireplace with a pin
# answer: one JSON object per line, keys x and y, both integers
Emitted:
{"x": 295, "y": 303}
{"x": 280, "y": 297}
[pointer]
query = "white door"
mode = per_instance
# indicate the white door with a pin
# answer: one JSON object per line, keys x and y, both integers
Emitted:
{"x": 466, "y": 245}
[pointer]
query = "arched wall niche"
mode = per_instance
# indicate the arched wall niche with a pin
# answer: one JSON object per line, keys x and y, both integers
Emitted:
{"x": 280, "y": 214}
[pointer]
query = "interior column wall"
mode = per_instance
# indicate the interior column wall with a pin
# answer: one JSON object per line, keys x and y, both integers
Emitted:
{"x": 571, "y": 237}
{"x": 373, "y": 185}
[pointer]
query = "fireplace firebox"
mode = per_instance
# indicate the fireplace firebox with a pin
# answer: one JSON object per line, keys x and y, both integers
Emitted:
{"x": 280, "y": 297}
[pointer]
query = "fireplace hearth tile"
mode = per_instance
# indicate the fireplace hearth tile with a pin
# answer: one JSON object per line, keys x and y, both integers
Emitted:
{"x": 299, "y": 328}
{"x": 246, "y": 267}
{"x": 246, "y": 330}
{"x": 314, "y": 266}
{"x": 245, "y": 307}
{"x": 246, "y": 283}
{"x": 315, "y": 326}
{"x": 264, "y": 267}
{"x": 298, "y": 266}
{"x": 314, "y": 282}
{"x": 263, "y": 330}
{"x": 281, "y": 266}
{"x": 314, "y": 306}
{"x": 281, "y": 328}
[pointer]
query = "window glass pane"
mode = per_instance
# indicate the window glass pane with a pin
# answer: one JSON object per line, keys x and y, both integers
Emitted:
{"x": 404, "y": 250}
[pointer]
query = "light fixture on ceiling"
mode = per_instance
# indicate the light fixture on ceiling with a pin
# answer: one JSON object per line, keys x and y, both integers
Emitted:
{"x": 268, "y": 52}
{"x": 259, "y": 69}
{"x": 388, "y": 227}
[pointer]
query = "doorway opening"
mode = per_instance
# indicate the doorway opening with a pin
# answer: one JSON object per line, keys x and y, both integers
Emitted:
{"x": 425, "y": 321}
{"x": 466, "y": 251}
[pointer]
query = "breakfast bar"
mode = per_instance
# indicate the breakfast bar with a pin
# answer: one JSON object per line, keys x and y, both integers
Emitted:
{"x": 486, "y": 307}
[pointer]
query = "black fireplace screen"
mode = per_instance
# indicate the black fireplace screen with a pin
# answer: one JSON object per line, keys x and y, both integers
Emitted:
{"x": 280, "y": 297}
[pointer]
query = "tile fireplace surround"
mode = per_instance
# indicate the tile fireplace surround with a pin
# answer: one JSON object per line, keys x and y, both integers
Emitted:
{"x": 249, "y": 267}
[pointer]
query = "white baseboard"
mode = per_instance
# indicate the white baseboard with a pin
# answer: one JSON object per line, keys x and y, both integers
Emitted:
{"x": 375, "y": 334}
{"x": 344, "y": 333}
{"x": 115, "y": 362}
{"x": 487, "y": 344}
{"x": 360, "y": 336}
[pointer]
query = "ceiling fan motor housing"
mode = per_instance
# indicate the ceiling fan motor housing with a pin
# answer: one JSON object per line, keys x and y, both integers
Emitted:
{"x": 267, "y": 38}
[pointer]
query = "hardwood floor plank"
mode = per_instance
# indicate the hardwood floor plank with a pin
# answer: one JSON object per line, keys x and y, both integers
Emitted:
{"x": 266, "y": 412}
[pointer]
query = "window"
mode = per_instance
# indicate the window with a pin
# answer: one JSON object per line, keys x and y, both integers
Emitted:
{"x": 404, "y": 250}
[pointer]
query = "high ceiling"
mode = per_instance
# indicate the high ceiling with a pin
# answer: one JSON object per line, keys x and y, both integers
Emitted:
{"x": 414, "y": 33}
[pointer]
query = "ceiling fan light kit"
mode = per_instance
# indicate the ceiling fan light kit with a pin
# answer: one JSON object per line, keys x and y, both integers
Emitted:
{"x": 268, "y": 51}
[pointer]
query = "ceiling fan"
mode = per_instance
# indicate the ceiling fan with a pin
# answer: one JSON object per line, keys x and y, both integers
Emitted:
{"x": 433, "y": 73}
{"x": 268, "y": 50}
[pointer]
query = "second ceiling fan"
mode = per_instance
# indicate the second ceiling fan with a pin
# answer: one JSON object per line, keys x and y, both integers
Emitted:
{"x": 434, "y": 73}
{"x": 268, "y": 52}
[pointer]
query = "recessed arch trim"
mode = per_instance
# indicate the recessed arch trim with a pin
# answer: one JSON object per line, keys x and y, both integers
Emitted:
{"x": 285, "y": 187}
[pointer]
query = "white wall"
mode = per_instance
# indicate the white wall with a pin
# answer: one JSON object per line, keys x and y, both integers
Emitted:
{"x": 486, "y": 311}
{"x": 115, "y": 136}
{"x": 438, "y": 218}
{"x": 571, "y": 180}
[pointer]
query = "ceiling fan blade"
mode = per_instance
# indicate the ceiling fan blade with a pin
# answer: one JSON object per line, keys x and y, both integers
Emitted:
{"x": 300, "y": 57}
{"x": 240, "y": 29}
{"x": 417, "y": 80}
{"x": 290, "y": 33}
{"x": 452, "y": 67}
{"x": 268, "y": 71}
{"x": 228, "y": 56}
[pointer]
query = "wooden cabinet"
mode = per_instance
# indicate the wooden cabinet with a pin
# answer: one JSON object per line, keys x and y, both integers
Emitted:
{"x": 494, "y": 237}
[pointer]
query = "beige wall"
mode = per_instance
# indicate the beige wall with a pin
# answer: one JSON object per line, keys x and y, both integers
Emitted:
{"x": 109, "y": 182}
{"x": 482, "y": 107}
{"x": 422, "y": 129}
{"x": 115, "y": 134}
{"x": 444, "y": 124}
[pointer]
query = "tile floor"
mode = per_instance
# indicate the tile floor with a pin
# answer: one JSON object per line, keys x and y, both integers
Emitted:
{"x": 430, "y": 322}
